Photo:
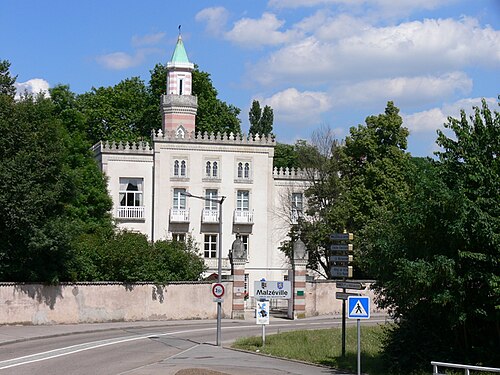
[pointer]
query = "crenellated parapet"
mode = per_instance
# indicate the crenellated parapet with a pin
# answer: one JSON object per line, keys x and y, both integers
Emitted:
{"x": 124, "y": 147}
{"x": 293, "y": 173}
{"x": 223, "y": 138}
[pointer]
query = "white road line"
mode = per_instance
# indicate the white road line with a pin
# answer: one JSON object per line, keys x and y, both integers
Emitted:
{"x": 55, "y": 353}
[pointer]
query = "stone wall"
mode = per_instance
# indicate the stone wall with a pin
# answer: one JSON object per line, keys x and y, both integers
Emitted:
{"x": 105, "y": 302}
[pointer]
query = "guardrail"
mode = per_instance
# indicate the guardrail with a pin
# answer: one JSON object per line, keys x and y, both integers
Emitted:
{"x": 466, "y": 368}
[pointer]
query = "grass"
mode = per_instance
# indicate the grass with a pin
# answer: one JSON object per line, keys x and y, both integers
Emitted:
{"x": 324, "y": 347}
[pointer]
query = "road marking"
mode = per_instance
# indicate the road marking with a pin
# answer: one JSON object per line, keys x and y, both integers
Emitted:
{"x": 55, "y": 353}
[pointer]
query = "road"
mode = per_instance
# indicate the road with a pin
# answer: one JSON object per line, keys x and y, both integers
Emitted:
{"x": 146, "y": 348}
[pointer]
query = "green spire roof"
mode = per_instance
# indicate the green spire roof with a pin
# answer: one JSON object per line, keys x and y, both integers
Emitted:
{"x": 179, "y": 55}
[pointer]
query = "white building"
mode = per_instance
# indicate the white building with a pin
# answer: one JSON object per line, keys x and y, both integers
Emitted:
{"x": 148, "y": 185}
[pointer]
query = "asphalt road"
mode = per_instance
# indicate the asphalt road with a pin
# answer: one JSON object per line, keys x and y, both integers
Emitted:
{"x": 146, "y": 348}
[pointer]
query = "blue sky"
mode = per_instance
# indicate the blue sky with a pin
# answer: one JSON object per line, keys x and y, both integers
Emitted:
{"x": 316, "y": 62}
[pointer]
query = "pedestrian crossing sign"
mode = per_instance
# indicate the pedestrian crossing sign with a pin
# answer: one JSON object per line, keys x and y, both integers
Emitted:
{"x": 358, "y": 307}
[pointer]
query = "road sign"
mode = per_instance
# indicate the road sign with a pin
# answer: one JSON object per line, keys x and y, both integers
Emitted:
{"x": 262, "y": 312}
{"x": 343, "y": 247}
{"x": 342, "y": 295}
{"x": 340, "y": 258}
{"x": 350, "y": 285}
{"x": 358, "y": 307}
{"x": 272, "y": 289}
{"x": 341, "y": 271}
{"x": 218, "y": 290}
{"x": 341, "y": 236}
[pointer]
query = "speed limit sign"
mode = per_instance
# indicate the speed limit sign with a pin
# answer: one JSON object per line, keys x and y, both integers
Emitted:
{"x": 218, "y": 290}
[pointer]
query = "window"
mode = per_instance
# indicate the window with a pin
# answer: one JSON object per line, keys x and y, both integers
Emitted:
{"x": 210, "y": 246}
{"x": 242, "y": 200}
{"x": 180, "y": 168}
{"x": 180, "y": 132}
{"x": 131, "y": 192}
{"x": 211, "y": 169}
{"x": 210, "y": 199}
{"x": 179, "y": 237}
{"x": 297, "y": 206}
{"x": 179, "y": 201}
{"x": 181, "y": 81}
{"x": 244, "y": 241}
{"x": 243, "y": 170}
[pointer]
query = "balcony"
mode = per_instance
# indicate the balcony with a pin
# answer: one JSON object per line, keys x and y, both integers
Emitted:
{"x": 243, "y": 217}
{"x": 209, "y": 216}
{"x": 179, "y": 215}
{"x": 130, "y": 212}
{"x": 295, "y": 216}
{"x": 212, "y": 263}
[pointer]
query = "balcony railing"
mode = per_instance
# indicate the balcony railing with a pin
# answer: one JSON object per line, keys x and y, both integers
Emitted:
{"x": 210, "y": 216}
{"x": 212, "y": 264}
{"x": 295, "y": 216}
{"x": 243, "y": 217}
{"x": 130, "y": 212}
{"x": 179, "y": 215}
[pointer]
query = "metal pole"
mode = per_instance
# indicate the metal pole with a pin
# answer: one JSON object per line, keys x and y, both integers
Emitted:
{"x": 219, "y": 275}
{"x": 263, "y": 335}
{"x": 359, "y": 347}
{"x": 343, "y": 325}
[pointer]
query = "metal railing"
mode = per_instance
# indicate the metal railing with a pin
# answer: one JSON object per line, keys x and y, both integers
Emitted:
{"x": 466, "y": 368}
{"x": 130, "y": 212}
{"x": 243, "y": 217}
{"x": 179, "y": 215}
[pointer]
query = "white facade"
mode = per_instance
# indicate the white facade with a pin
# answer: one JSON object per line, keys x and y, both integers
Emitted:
{"x": 148, "y": 185}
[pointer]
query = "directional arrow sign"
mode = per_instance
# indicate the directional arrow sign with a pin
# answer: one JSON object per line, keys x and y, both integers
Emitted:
{"x": 338, "y": 271}
{"x": 341, "y": 236}
{"x": 350, "y": 285}
{"x": 340, "y": 258}
{"x": 346, "y": 247}
{"x": 342, "y": 295}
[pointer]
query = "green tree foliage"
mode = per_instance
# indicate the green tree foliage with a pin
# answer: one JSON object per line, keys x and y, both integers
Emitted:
{"x": 214, "y": 115}
{"x": 436, "y": 255}
{"x": 35, "y": 188}
{"x": 300, "y": 155}
{"x": 352, "y": 182}
{"x": 118, "y": 113}
{"x": 6, "y": 80}
{"x": 129, "y": 257}
{"x": 261, "y": 121}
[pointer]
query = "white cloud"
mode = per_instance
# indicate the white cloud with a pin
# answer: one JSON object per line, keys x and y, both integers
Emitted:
{"x": 403, "y": 90}
{"x": 120, "y": 60}
{"x": 250, "y": 32}
{"x": 408, "y": 49}
{"x": 298, "y": 108}
{"x": 433, "y": 119}
{"x": 215, "y": 18}
{"x": 147, "y": 40}
{"x": 32, "y": 86}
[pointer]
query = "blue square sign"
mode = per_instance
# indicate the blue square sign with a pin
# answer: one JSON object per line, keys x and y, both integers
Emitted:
{"x": 358, "y": 307}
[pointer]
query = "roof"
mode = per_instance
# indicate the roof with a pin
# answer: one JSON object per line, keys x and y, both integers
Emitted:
{"x": 179, "y": 55}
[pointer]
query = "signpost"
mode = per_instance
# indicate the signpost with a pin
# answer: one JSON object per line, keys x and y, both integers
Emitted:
{"x": 339, "y": 259}
{"x": 218, "y": 291}
{"x": 359, "y": 308}
{"x": 263, "y": 317}
{"x": 272, "y": 289}
{"x": 350, "y": 285}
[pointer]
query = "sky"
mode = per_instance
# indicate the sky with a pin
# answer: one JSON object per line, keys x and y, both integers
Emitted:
{"x": 317, "y": 63}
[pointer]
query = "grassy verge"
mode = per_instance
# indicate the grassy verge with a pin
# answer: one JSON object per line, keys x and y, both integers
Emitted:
{"x": 324, "y": 347}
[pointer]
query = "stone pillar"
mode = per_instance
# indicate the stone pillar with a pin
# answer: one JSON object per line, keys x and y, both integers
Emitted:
{"x": 238, "y": 261}
{"x": 297, "y": 307}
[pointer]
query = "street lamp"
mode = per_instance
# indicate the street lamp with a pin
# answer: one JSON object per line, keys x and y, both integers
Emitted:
{"x": 220, "y": 200}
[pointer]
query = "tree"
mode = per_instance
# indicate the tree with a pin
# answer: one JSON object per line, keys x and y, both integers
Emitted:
{"x": 118, "y": 113}
{"x": 353, "y": 182}
{"x": 213, "y": 114}
{"x": 261, "y": 122}
{"x": 6, "y": 80}
{"x": 436, "y": 254}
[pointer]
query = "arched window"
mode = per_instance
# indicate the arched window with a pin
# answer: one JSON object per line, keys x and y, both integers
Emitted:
{"x": 247, "y": 170}
{"x": 176, "y": 168}
{"x": 207, "y": 169}
{"x": 240, "y": 170}
{"x": 214, "y": 170}
{"x": 183, "y": 168}
{"x": 180, "y": 132}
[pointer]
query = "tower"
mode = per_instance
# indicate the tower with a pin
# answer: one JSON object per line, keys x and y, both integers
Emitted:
{"x": 179, "y": 106}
